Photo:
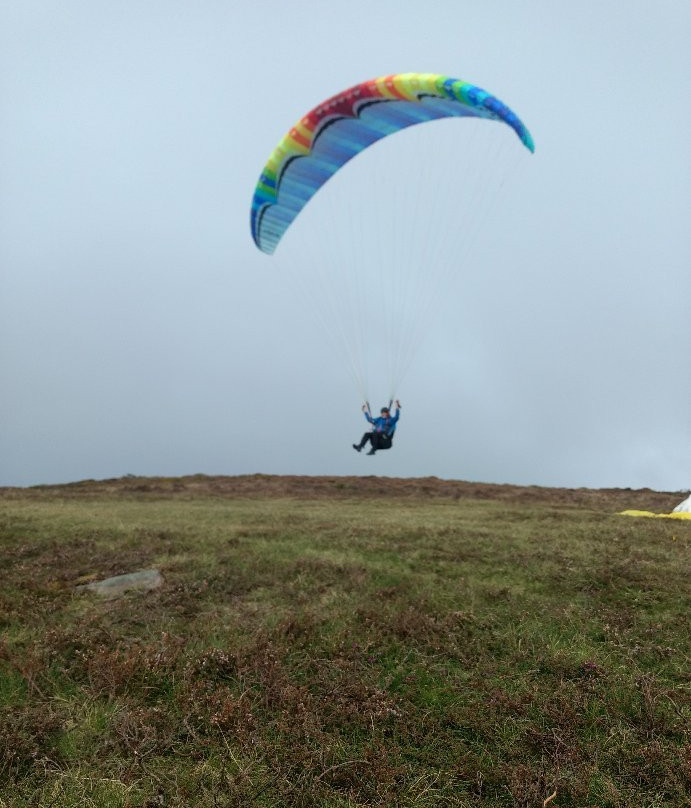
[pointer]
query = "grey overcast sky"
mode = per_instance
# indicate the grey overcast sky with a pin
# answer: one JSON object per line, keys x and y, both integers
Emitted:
{"x": 142, "y": 332}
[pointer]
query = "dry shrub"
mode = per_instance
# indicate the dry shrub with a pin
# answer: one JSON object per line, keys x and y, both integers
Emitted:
{"x": 124, "y": 670}
{"x": 144, "y": 731}
{"x": 212, "y": 665}
{"x": 27, "y": 738}
{"x": 530, "y": 784}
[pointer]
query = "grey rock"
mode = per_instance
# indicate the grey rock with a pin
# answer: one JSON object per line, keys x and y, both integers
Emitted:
{"x": 141, "y": 581}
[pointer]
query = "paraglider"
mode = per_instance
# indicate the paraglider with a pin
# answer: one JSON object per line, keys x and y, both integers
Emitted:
{"x": 386, "y": 288}
{"x": 334, "y": 132}
{"x": 381, "y": 435}
{"x": 681, "y": 511}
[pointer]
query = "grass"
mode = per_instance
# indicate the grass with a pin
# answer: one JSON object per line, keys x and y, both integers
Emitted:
{"x": 341, "y": 650}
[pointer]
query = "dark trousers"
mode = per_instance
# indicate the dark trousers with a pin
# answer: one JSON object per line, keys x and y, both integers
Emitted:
{"x": 378, "y": 440}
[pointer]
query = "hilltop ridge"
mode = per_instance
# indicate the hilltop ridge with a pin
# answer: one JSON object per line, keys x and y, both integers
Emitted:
{"x": 345, "y": 487}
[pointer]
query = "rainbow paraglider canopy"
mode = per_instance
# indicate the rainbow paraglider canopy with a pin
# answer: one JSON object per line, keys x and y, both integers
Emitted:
{"x": 326, "y": 138}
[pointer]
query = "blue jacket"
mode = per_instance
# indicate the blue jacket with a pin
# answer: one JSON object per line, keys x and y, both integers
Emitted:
{"x": 385, "y": 425}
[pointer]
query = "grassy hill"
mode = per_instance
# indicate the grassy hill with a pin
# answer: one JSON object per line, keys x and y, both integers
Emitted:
{"x": 342, "y": 642}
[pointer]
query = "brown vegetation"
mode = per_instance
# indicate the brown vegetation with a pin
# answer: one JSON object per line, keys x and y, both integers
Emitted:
{"x": 261, "y": 486}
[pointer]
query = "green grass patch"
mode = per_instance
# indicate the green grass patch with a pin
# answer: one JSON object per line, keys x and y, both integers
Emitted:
{"x": 361, "y": 651}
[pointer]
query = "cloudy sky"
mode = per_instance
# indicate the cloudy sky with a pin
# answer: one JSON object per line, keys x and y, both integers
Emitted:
{"x": 142, "y": 332}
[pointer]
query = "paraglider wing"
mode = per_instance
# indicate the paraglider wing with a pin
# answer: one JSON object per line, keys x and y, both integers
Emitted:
{"x": 334, "y": 132}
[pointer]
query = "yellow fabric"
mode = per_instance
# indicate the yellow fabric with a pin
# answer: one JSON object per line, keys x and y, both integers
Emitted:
{"x": 657, "y": 515}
